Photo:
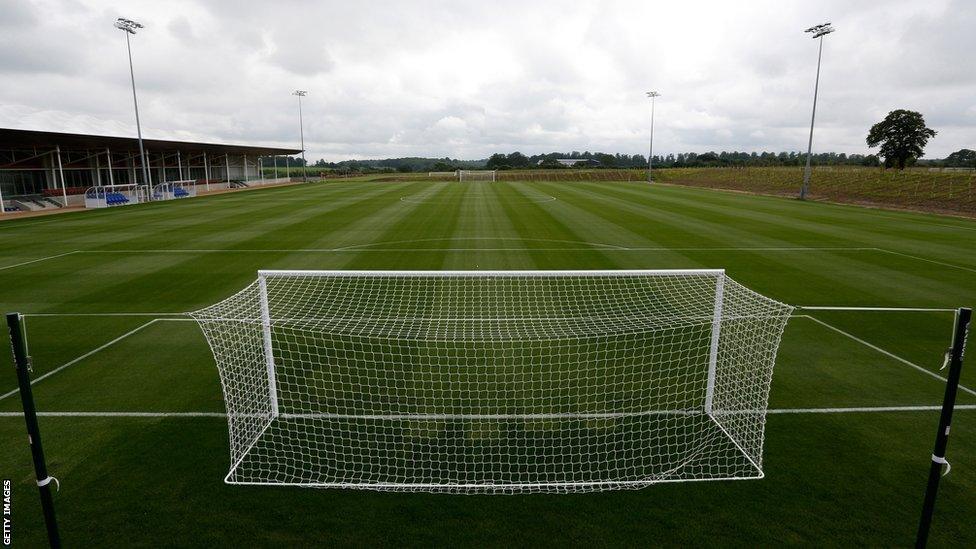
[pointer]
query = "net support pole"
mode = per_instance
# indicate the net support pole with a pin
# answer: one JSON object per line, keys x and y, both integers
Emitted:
{"x": 268, "y": 348}
{"x": 713, "y": 346}
{"x": 206, "y": 170}
{"x": 22, "y": 363}
{"x": 64, "y": 189}
{"x": 108, "y": 158}
{"x": 955, "y": 356}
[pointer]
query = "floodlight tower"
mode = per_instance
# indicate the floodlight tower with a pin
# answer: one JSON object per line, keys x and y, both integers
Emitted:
{"x": 818, "y": 31}
{"x": 130, "y": 26}
{"x": 650, "y": 155}
{"x": 301, "y": 128}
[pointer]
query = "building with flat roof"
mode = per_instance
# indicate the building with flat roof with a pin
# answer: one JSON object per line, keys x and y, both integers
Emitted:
{"x": 57, "y": 166}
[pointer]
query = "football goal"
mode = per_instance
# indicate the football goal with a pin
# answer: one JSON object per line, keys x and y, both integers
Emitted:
{"x": 172, "y": 190}
{"x": 494, "y": 381}
{"x": 476, "y": 175}
{"x": 107, "y": 196}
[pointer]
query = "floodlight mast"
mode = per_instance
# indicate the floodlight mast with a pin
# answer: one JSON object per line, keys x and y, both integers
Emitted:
{"x": 650, "y": 152}
{"x": 818, "y": 31}
{"x": 129, "y": 27}
{"x": 301, "y": 128}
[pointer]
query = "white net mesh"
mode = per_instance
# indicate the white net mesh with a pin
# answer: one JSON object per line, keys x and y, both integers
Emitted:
{"x": 499, "y": 382}
{"x": 476, "y": 175}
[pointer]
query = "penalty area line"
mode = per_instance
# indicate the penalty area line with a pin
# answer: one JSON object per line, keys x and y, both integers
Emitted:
{"x": 370, "y": 248}
{"x": 867, "y": 409}
{"x": 5, "y": 267}
{"x": 879, "y": 309}
{"x": 157, "y": 315}
{"x": 222, "y": 415}
{"x": 933, "y": 261}
{"x": 886, "y": 353}
{"x": 94, "y": 351}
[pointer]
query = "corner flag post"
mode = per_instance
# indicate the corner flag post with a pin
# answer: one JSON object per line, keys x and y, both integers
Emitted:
{"x": 954, "y": 358}
{"x": 22, "y": 363}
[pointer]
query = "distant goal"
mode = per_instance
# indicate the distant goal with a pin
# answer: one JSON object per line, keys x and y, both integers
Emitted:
{"x": 476, "y": 175}
{"x": 494, "y": 381}
{"x": 108, "y": 196}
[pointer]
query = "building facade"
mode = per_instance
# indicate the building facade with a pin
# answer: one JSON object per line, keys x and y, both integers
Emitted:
{"x": 62, "y": 165}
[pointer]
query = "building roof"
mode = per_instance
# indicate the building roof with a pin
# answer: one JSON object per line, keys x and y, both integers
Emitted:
{"x": 20, "y": 139}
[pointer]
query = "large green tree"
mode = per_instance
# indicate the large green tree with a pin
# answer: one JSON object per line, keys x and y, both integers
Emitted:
{"x": 963, "y": 158}
{"x": 902, "y": 136}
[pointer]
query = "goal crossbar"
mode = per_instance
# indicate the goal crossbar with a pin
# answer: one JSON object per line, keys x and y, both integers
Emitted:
{"x": 494, "y": 381}
{"x": 508, "y": 273}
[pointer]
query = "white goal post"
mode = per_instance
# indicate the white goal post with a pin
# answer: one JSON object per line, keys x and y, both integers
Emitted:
{"x": 173, "y": 190}
{"x": 107, "y": 196}
{"x": 476, "y": 175}
{"x": 494, "y": 381}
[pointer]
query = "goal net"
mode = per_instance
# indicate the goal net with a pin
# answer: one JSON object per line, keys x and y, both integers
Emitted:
{"x": 476, "y": 175}
{"x": 106, "y": 196}
{"x": 494, "y": 382}
{"x": 172, "y": 190}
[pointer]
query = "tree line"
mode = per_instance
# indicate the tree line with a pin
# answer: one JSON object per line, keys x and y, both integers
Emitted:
{"x": 517, "y": 160}
{"x": 901, "y": 137}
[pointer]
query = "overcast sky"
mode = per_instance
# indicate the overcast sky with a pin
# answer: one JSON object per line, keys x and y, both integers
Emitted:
{"x": 465, "y": 79}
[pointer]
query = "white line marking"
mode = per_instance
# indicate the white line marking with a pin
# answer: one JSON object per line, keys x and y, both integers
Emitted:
{"x": 867, "y": 409}
{"x": 479, "y": 238}
{"x": 84, "y": 356}
{"x": 122, "y": 414}
{"x": 882, "y": 309}
{"x": 221, "y": 415}
{"x": 920, "y": 222}
{"x": 944, "y": 264}
{"x": 408, "y": 201}
{"x": 367, "y": 248}
{"x": 107, "y": 314}
{"x": 39, "y": 259}
{"x": 888, "y": 354}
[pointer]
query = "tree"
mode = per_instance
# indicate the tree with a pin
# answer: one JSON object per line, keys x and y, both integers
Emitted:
{"x": 963, "y": 158}
{"x": 442, "y": 166}
{"x": 496, "y": 161}
{"x": 517, "y": 160}
{"x": 902, "y": 136}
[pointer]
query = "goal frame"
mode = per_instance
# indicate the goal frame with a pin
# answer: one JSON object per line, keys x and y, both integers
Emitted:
{"x": 494, "y": 176}
{"x": 737, "y": 426}
{"x": 167, "y": 190}
{"x": 97, "y": 196}
{"x": 264, "y": 274}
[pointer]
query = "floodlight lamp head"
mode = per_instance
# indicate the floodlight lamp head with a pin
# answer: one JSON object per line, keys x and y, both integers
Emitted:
{"x": 820, "y": 30}
{"x": 653, "y": 94}
{"x": 128, "y": 25}
{"x": 300, "y": 93}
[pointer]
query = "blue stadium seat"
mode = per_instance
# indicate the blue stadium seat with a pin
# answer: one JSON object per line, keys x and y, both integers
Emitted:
{"x": 113, "y": 199}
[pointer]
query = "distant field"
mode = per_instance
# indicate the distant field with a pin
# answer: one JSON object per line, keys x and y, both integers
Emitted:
{"x": 132, "y": 406}
{"x": 918, "y": 189}
{"x": 950, "y": 192}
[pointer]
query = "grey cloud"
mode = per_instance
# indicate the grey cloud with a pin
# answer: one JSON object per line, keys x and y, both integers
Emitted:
{"x": 450, "y": 78}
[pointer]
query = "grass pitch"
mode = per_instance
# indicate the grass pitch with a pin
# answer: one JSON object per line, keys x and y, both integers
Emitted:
{"x": 847, "y": 448}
